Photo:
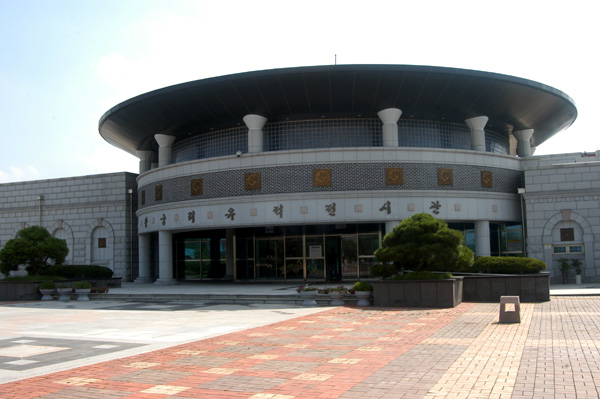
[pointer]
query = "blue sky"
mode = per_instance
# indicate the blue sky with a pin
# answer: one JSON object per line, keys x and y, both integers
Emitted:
{"x": 63, "y": 63}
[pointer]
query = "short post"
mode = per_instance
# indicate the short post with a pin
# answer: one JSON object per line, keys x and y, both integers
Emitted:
{"x": 510, "y": 316}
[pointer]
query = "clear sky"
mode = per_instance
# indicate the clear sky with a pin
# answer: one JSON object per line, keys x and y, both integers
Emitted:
{"x": 63, "y": 63}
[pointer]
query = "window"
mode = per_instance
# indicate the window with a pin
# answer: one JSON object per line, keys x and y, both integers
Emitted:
{"x": 567, "y": 234}
{"x": 567, "y": 249}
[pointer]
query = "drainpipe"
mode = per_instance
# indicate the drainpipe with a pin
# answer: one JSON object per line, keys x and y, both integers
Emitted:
{"x": 130, "y": 192}
{"x": 40, "y": 198}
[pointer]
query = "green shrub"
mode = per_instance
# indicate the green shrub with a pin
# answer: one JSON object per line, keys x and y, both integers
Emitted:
{"x": 383, "y": 270}
{"x": 33, "y": 278}
{"x": 507, "y": 265}
{"x": 47, "y": 285}
{"x": 423, "y": 242}
{"x": 82, "y": 285}
{"x": 422, "y": 275}
{"x": 362, "y": 286}
{"x": 63, "y": 286}
{"x": 78, "y": 271}
{"x": 33, "y": 246}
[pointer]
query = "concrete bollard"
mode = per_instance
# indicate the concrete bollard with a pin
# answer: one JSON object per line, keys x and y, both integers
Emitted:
{"x": 510, "y": 316}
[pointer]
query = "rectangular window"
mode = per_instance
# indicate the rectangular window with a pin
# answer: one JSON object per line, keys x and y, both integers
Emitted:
{"x": 559, "y": 249}
{"x": 567, "y": 249}
{"x": 101, "y": 242}
{"x": 567, "y": 234}
{"x": 575, "y": 249}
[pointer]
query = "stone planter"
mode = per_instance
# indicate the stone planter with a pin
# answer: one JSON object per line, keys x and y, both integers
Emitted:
{"x": 65, "y": 294}
{"x": 490, "y": 287}
{"x": 309, "y": 298}
{"x": 418, "y": 293}
{"x": 578, "y": 279}
{"x": 47, "y": 294}
{"x": 337, "y": 298}
{"x": 363, "y": 298}
{"x": 82, "y": 294}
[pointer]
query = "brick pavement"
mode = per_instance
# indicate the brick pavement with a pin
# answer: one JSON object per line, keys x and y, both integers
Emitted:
{"x": 362, "y": 353}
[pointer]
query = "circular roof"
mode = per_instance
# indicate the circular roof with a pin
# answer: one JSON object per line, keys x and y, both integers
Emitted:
{"x": 421, "y": 92}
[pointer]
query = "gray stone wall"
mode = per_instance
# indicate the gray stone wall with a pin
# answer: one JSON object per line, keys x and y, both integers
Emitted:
{"x": 80, "y": 210}
{"x": 563, "y": 191}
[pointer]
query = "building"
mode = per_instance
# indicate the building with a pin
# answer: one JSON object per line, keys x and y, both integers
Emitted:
{"x": 93, "y": 214}
{"x": 297, "y": 173}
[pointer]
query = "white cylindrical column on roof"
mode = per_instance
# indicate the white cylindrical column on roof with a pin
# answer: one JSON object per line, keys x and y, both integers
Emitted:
{"x": 145, "y": 160}
{"x": 524, "y": 142}
{"x": 165, "y": 258}
{"x": 164, "y": 148}
{"x": 144, "y": 262}
{"x": 255, "y": 124}
{"x": 476, "y": 126}
{"x": 482, "y": 238}
{"x": 389, "y": 117}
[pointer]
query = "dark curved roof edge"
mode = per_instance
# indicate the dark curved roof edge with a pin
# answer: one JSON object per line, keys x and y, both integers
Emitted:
{"x": 455, "y": 94}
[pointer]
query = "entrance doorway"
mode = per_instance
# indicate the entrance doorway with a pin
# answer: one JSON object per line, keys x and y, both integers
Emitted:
{"x": 269, "y": 259}
{"x": 333, "y": 258}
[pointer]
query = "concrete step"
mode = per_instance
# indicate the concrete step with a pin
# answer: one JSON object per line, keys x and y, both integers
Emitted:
{"x": 246, "y": 299}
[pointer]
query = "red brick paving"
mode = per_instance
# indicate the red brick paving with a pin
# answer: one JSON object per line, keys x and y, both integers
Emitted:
{"x": 361, "y": 353}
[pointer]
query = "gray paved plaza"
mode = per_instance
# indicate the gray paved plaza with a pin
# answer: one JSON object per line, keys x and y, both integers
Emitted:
{"x": 115, "y": 349}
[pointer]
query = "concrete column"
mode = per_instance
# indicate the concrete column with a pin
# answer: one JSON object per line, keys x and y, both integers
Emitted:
{"x": 165, "y": 258}
{"x": 255, "y": 124}
{"x": 144, "y": 241}
{"x": 164, "y": 148}
{"x": 482, "y": 238}
{"x": 145, "y": 160}
{"x": 389, "y": 226}
{"x": 389, "y": 117}
{"x": 477, "y": 125}
{"x": 229, "y": 254}
{"x": 524, "y": 142}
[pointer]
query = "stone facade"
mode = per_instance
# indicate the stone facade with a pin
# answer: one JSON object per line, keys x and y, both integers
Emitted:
{"x": 92, "y": 213}
{"x": 562, "y": 205}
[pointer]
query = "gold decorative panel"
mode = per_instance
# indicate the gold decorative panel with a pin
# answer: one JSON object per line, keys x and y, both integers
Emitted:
{"x": 486, "y": 179}
{"x": 197, "y": 187}
{"x": 252, "y": 181}
{"x": 394, "y": 176}
{"x": 322, "y": 177}
{"x": 445, "y": 177}
{"x": 158, "y": 192}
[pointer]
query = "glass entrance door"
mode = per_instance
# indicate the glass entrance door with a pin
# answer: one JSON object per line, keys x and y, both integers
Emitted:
{"x": 204, "y": 258}
{"x": 269, "y": 259}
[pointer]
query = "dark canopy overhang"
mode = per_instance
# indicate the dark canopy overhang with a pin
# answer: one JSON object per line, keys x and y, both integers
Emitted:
{"x": 421, "y": 92}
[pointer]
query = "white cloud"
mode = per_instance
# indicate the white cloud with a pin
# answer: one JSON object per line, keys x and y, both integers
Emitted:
{"x": 16, "y": 173}
{"x": 109, "y": 160}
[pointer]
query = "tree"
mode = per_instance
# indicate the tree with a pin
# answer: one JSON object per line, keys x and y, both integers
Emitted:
{"x": 33, "y": 246}
{"x": 423, "y": 242}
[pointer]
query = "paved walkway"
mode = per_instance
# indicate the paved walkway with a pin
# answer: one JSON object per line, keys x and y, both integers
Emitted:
{"x": 340, "y": 352}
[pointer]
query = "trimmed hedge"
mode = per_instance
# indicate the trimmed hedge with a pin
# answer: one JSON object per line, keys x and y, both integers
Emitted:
{"x": 422, "y": 275}
{"x": 77, "y": 271}
{"x": 506, "y": 265}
